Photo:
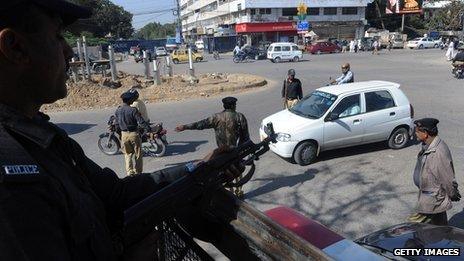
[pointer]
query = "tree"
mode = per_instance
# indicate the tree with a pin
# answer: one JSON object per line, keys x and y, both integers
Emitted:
{"x": 107, "y": 19}
{"x": 448, "y": 18}
{"x": 155, "y": 30}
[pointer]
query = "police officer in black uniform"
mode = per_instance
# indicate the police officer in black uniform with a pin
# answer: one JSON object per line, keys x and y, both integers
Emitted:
{"x": 292, "y": 91}
{"x": 55, "y": 203}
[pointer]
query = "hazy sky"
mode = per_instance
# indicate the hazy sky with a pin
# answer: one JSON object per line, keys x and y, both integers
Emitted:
{"x": 157, "y": 8}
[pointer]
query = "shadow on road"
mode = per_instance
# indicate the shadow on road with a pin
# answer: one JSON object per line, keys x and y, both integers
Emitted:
{"x": 457, "y": 220}
{"x": 75, "y": 128}
{"x": 182, "y": 147}
{"x": 280, "y": 182}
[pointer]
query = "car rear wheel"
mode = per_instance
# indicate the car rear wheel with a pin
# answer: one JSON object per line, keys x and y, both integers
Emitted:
{"x": 399, "y": 138}
{"x": 319, "y": 52}
{"x": 421, "y": 46}
{"x": 277, "y": 60}
{"x": 435, "y": 46}
{"x": 198, "y": 59}
{"x": 305, "y": 153}
{"x": 296, "y": 59}
{"x": 176, "y": 61}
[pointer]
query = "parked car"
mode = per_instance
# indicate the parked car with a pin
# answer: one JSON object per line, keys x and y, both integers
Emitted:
{"x": 181, "y": 55}
{"x": 341, "y": 116}
{"x": 421, "y": 43}
{"x": 254, "y": 52}
{"x": 200, "y": 45}
{"x": 278, "y": 52}
{"x": 161, "y": 51}
{"x": 415, "y": 235}
{"x": 323, "y": 47}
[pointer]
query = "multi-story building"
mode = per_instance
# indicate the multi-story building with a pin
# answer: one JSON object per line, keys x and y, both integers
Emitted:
{"x": 272, "y": 20}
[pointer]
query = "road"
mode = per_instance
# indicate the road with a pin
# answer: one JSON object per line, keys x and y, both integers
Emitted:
{"x": 353, "y": 191}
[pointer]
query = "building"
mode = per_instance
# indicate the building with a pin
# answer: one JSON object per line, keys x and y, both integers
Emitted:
{"x": 272, "y": 20}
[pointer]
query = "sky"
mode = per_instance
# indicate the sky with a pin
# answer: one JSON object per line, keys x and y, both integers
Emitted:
{"x": 158, "y": 10}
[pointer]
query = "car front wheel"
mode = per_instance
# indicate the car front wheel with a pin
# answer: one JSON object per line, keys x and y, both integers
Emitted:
{"x": 305, "y": 153}
{"x": 399, "y": 138}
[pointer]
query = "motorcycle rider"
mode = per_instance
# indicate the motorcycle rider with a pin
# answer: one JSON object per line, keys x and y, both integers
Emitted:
{"x": 129, "y": 119}
{"x": 139, "y": 105}
{"x": 346, "y": 77}
{"x": 459, "y": 58}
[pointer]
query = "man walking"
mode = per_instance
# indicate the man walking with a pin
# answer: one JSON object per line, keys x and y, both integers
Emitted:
{"x": 291, "y": 91}
{"x": 129, "y": 120}
{"x": 433, "y": 175}
{"x": 375, "y": 47}
{"x": 230, "y": 126}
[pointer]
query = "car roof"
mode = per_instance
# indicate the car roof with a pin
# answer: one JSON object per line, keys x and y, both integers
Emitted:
{"x": 283, "y": 44}
{"x": 357, "y": 86}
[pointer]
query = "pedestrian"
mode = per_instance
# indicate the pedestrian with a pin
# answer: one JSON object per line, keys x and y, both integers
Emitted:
{"x": 355, "y": 43}
{"x": 390, "y": 44}
{"x": 450, "y": 51}
{"x": 130, "y": 120}
{"x": 344, "y": 46}
{"x": 230, "y": 127}
{"x": 139, "y": 105}
{"x": 56, "y": 203}
{"x": 352, "y": 46}
{"x": 433, "y": 175}
{"x": 291, "y": 91}
{"x": 346, "y": 77}
{"x": 359, "y": 43}
{"x": 375, "y": 47}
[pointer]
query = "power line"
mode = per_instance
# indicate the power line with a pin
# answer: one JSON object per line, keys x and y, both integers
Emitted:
{"x": 153, "y": 12}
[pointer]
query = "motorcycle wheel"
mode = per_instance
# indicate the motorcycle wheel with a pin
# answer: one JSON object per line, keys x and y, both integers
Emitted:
{"x": 236, "y": 60}
{"x": 108, "y": 144}
{"x": 154, "y": 148}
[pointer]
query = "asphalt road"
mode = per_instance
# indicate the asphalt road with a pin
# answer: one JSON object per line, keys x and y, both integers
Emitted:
{"x": 353, "y": 191}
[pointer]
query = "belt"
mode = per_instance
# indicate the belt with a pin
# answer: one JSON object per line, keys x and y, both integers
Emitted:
{"x": 130, "y": 130}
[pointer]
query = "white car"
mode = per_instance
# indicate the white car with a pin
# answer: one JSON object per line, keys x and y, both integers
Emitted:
{"x": 421, "y": 43}
{"x": 200, "y": 45}
{"x": 161, "y": 51}
{"x": 342, "y": 116}
{"x": 284, "y": 51}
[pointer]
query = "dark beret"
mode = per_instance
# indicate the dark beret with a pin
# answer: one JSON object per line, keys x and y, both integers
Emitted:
{"x": 229, "y": 100}
{"x": 68, "y": 11}
{"x": 427, "y": 123}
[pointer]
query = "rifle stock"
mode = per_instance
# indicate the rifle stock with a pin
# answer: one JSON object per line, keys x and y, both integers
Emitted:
{"x": 142, "y": 218}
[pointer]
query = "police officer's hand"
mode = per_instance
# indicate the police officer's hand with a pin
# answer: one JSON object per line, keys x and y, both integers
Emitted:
{"x": 233, "y": 171}
{"x": 180, "y": 128}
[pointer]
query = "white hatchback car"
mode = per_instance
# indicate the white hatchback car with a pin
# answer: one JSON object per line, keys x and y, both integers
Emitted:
{"x": 161, "y": 51}
{"x": 342, "y": 116}
{"x": 284, "y": 51}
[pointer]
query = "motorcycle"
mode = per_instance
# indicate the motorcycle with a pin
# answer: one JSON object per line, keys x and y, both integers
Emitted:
{"x": 154, "y": 142}
{"x": 458, "y": 71}
{"x": 216, "y": 55}
{"x": 240, "y": 57}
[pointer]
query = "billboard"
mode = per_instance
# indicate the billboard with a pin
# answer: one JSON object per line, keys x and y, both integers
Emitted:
{"x": 404, "y": 6}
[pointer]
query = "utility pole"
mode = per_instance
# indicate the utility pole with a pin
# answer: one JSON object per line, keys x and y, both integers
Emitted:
{"x": 179, "y": 21}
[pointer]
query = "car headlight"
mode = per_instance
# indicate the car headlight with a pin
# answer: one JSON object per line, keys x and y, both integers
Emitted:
{"x": 283, "y": 137}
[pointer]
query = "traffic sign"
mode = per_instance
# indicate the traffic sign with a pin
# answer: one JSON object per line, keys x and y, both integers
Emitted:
{"x": 303, "y": 26}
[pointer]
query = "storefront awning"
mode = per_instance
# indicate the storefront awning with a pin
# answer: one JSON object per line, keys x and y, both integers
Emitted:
{"x": 265, "y": 27}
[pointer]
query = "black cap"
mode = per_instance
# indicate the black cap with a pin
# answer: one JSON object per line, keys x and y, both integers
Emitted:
{"x": 69, "y": 12}
{"x": 427, "y": 124}
{"x": 229, "y": 100}
{"x": 127, "y": 96}
{"x": 291, "y": 72}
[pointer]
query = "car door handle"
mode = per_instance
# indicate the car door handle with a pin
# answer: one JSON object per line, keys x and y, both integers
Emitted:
{"x": 357, "y": 121}
{"x": 392, "y": 113}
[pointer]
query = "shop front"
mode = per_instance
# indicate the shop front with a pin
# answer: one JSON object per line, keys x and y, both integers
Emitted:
{"x": 261, "y": 33}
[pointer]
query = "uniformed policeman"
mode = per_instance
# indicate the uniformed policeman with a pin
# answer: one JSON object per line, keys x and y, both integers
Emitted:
{"x": 291, "y": 91}
{"x": 230, "y": 126}
{"x": 129, "y": 120}
{"x": 55, "y": 203}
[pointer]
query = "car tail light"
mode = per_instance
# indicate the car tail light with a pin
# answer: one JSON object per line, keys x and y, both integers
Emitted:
{"x": 411, "y": 109}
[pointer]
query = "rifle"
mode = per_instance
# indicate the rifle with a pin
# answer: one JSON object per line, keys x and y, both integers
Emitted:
{"x": 142, "y": 218}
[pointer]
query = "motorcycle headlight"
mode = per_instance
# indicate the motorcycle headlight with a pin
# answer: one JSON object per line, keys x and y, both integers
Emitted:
{"x": 283, "y": 137}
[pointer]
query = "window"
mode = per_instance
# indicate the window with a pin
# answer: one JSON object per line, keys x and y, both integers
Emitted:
{"x": 286, "y": 48}
{"x": 330, "y": 11}
{"x": 268, "y": 11}
{"x": 349, "y": 106}
{"x": 262, "y": 11}
{"x": 315, "y": 105}
{"x": 239, "y": 7}
{"x": 294, "y": 48}
{"x": 349, "y": 10}
{"x": 277, "y": 49}
{"x": 252, "y": 11}
{"x": 378, "y": 100}
{"x": 289, "y": 12}
{"x": 313, "y": 11}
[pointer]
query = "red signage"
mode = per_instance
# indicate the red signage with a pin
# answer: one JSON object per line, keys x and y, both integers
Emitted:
{"x": 265, "y": 27}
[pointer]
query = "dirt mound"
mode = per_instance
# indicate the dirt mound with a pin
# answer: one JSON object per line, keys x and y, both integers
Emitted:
{"x": 101, "y": 92}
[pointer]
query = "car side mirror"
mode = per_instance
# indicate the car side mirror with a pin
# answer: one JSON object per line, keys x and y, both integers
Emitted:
{"x": 332, "y": 116}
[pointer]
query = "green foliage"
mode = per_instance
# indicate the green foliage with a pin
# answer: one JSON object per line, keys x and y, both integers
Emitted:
{"x": 448, "y": 18}
{"x": 107, "y": 19}
{"x": 89, "y": 37}
{"x": 155, "y": 30}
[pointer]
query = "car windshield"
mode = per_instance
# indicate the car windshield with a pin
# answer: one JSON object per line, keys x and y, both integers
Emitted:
{"x": 314, "y": 105}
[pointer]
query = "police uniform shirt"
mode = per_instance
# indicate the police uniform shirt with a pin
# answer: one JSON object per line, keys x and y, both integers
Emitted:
{"x": 292, "y": 90}
{"x": 129, "y": 118}
{"x": 55, "y": 203}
